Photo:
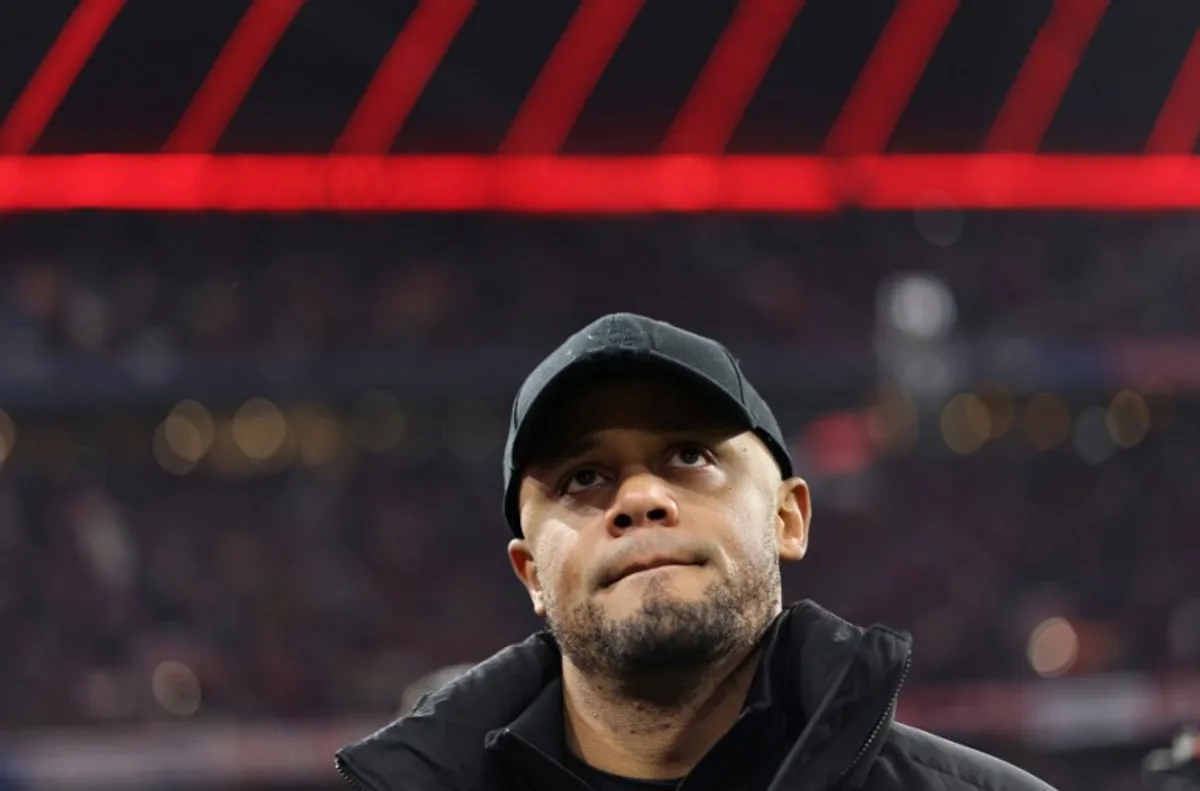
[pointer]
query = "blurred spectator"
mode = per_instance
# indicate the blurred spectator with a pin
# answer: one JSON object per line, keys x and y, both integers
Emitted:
{"x": 285, "y": 289}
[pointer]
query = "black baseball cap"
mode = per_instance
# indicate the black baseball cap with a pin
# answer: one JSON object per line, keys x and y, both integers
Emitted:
{"x": 623, "y": 343}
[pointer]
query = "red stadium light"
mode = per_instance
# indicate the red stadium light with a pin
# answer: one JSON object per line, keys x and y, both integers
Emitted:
{"x": 232, "y": 75}
{"x": 57, "y": 72}
{"x": 890, "y": 76}
{"x": 1038, "y": 89}
{"x": 597, "y": 185}
{"x": 729, "y": 80}
{"x": 569, "y": 75}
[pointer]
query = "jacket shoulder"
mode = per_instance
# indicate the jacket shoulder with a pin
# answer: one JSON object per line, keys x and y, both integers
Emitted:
{"x": 916, "y": 759}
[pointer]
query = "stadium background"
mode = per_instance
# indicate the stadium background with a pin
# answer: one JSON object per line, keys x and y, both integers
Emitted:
{"x": 249, "y": 498}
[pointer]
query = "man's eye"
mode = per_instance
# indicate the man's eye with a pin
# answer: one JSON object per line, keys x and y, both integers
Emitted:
{"x": 583, "y": 479}
{"x": 691, "y": 456}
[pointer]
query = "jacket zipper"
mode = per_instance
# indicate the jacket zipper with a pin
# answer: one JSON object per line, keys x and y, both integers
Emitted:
{"x": 340, "y": 765}
{"x": 887, "y": 714}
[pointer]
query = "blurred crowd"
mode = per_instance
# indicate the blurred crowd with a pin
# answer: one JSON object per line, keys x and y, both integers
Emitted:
{"x": 293, "y": 288}
{"x": 136, "y": 587}
{"x": 136, "y": 594}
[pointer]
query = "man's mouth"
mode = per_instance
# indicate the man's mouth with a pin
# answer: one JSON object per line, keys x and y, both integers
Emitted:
{"x": 650, "y": 564}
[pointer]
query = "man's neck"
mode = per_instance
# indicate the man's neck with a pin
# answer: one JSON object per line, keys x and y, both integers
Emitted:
{"x": 637, "y": 739}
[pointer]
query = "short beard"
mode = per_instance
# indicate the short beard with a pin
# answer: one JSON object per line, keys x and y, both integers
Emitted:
{"x": 659, "y": 654}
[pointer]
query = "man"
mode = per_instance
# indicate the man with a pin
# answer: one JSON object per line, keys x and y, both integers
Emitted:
{"x": 651, "y": 498}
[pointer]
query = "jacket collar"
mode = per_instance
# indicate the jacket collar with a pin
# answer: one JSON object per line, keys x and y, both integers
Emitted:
{"x": 815, "y": 664}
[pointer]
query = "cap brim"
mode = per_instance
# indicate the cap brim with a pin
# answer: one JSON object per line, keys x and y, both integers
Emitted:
{"x": 568, "y": 382}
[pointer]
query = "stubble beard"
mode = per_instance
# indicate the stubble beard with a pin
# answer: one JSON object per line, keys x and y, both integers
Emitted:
{"x": 661, "y": 652}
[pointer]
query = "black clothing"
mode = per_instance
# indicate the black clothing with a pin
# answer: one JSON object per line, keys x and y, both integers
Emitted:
{"x": 603, "y": 781}
{"x": 819, "y": 716}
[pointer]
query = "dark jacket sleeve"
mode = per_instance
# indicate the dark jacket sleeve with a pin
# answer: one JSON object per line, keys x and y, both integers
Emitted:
{"x": 914, "y": 760}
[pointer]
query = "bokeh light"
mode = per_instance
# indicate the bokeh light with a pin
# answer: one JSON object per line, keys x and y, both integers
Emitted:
{"x": 259, "y": 429}
{"x": 1053, "y": 647}
{"x": 188, "y": 430}
{"x": 919, "y": 305}
{"x": 184, "y": 437}
{"x": 966, "y": 423}
{"x": 176, "y": 688}
{"x": 1128, "y": 419}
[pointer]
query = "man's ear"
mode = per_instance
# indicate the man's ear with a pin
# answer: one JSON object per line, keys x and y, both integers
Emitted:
{"x": 792, "y": 519}
{"x": 525, "y": 567}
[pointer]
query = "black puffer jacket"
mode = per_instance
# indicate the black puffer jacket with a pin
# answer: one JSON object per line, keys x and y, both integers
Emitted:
{"x": 835, "y": 682}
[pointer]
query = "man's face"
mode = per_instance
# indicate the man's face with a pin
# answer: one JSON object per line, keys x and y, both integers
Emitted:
{"x": 654, "y": 528}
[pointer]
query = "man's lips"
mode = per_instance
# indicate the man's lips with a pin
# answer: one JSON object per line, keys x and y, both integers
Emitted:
{"x": 647, "y": 564}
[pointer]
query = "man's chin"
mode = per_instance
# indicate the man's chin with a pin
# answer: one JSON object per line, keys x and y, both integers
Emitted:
{"x": 667, "y": 642}
{"x": 659, "y": 604}
{"x": 670, "y": 624}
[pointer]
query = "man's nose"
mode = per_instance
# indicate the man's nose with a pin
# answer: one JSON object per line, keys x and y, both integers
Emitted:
{"x": 642, "y": 501}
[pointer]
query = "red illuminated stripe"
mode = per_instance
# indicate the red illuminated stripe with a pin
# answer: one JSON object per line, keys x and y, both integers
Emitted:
{"x": 56, "y": 73}
{"x": 564, "y": 185}
{"x": 732, "y": 75}
{"x": 231, "y": 75}
{"x": 1020, "y": 181}
{"x": 1178, "y": 124}
{"x": 569, "y": 75}
{"x": 1044, "y": 76}
{"x": 403, "y": 75}
{"x": 889, "y": 77}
